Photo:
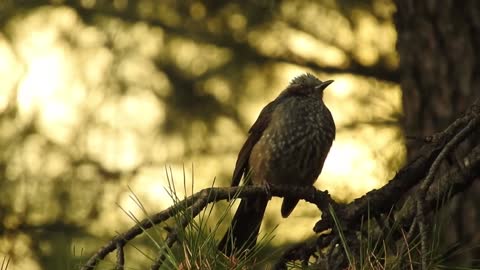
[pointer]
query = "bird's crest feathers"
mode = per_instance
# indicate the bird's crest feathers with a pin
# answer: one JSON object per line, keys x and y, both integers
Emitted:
{"x": 306, "y": 79}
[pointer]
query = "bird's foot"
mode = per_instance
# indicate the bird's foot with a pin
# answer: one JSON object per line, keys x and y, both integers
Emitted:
{"x": 268, "y": 192}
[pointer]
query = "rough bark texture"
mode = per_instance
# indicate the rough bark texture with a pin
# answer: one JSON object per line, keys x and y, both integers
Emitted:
{"x": 439, "y": 63}
{"x": 438, "y": 45}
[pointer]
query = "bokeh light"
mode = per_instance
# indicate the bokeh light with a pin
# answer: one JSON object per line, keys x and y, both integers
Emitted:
{"x": 99, "y": 102}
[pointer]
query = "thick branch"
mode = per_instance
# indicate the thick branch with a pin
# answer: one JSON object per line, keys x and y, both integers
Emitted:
{"x": 381, "y": 200}
{"x": 455, "y": 178}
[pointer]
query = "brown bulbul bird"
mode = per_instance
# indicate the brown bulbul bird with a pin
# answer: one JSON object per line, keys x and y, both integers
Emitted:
{"x": 287, "y": 145}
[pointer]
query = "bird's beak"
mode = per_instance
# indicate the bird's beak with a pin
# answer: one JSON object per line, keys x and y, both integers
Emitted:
{"x": 323, "y": 85}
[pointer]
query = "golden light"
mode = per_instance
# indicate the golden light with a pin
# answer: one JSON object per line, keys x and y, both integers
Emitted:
{"x": 151, "y": 187}
{"x": 71, "y": 89}
{"x": 349, "y": 169}
{"x": 308, "y": 47}
{"x": 219, "y": 88}
{"x": 341, "y": 88}
{"x": 42, "y": 80}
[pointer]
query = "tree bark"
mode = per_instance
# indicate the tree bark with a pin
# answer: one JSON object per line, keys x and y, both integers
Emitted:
{"x": 439, "y": 67}
{"x": 440, "y": 77}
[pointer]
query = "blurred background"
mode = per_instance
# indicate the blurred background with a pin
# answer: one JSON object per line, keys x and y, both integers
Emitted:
{"x": 98, "y": 99}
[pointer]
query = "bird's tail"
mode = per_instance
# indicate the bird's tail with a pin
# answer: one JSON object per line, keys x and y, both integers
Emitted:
{"x": 243, "y": 231}
{"x": 288, "y": 205}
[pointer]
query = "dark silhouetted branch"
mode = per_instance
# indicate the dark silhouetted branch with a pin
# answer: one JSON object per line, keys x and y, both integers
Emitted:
{"x": 198, "y": 202}
{"x": 453, "y": 179}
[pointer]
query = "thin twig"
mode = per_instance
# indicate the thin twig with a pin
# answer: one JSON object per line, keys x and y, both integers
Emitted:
{"x": 120, "y": 256}
{"x": 459, "y": 137}
{"x": 309, "y": 194}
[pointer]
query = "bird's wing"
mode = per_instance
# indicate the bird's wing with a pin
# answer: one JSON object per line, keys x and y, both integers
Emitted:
{"x": 255, "y": 133}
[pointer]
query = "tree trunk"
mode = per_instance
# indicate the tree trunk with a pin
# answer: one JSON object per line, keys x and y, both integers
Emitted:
{"x": 438, "y": 45}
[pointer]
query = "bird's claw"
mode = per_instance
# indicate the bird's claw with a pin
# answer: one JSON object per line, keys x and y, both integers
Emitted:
{"x": 267, "y": 188}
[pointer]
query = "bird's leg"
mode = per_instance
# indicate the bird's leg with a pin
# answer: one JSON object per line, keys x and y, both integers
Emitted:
{"x": 266, "y": 187}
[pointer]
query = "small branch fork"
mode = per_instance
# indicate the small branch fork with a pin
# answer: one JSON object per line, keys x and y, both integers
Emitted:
{"x": 472, "y": 124}
{"x": 422, "y": 172}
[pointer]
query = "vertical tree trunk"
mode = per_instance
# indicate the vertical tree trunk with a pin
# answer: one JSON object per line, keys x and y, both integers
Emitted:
{"x": 438, "y": 44}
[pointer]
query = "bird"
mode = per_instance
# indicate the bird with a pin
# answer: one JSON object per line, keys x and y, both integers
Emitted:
{"x": 286, "y": 145}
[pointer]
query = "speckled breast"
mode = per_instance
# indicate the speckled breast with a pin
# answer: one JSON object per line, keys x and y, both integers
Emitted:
{"x": 296, "y": 142}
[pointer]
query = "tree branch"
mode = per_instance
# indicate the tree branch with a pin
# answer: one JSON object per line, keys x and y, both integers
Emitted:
{"x": 198, "y": 202}
{"x": 455, "y": 178}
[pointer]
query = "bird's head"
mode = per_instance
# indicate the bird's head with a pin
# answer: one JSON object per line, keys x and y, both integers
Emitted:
{"x": 307, "y": 84}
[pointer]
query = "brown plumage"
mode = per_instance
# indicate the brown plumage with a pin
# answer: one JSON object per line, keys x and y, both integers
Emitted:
{"x": 287, "y": 145}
